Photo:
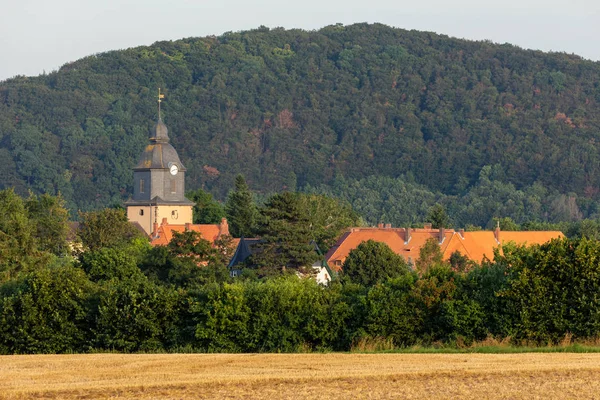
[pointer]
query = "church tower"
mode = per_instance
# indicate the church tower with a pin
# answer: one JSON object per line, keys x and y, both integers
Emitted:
{"x": 159, "y": 184}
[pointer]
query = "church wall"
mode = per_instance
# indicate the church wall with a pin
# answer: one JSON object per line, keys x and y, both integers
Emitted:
{"x": 146, "y": 220}
{"x": 137, "y": 176}
{"x": 179, "y": 186}
{"x": 175, "y": 215}
{"x": 158, "y": 189}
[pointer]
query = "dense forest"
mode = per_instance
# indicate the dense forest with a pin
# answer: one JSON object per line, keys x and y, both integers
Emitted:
{"x": 393, "y": 121}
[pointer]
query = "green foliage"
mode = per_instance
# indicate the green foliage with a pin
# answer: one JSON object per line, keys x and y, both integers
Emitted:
{"x": 430, "y": 256}
{"x": 241, "y": 209}
{"x": 110, "y": 263}
{"x": 188, "y": 260}
{"x": 46, "y": 312}
{"x": 51, "y": 219}
{"x": 286, "y": 236}
{"x": 507, "y": 224}
{"x": 391, "y": 313}
{"x": 206, "y": 210}
{"x": 17, "y": 240}
{"x": 106, "y": 228}
{"x": 133, "y": 314}
{"x": 539, "y": 294}
{"x": 328, "y": 218}
{"x": 437, "y": 217}
{"x": 373, "y": 262}
{"x": 554, "y": 288}
{"x": 390, "y": 120}
{"x": 288, "y": 315}
{"x": 32, "y": 232}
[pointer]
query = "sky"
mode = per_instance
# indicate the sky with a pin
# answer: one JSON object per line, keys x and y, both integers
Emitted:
{"x": 38, "y": 36}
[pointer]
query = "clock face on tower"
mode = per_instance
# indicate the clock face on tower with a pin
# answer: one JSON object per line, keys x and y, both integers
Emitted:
{"x": 174, "y": 169}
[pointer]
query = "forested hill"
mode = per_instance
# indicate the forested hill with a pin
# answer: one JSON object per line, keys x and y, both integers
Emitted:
{"x": 347, "y": 109}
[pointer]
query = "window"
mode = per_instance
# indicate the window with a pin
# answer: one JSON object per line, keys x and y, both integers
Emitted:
{"x": 141, "y": 212}
{"x": 141, "y": 186}
{"x": 173, "y": 186}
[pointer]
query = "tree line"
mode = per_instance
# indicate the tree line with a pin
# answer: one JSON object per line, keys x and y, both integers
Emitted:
{"x": 114, "y": 292}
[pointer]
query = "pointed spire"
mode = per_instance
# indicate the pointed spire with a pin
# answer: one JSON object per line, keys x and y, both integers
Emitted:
{"x": 160, "y": 97}
{"x": 160, "y": 132}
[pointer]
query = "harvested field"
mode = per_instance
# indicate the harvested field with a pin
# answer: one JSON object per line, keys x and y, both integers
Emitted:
{"x": 301, "y": 376}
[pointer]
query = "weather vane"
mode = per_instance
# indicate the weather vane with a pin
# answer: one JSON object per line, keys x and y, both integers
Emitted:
{"x": 160, "y": 96}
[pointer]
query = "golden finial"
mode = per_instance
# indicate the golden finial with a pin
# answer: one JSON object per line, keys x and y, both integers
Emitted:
{"x": 160, "y": 96}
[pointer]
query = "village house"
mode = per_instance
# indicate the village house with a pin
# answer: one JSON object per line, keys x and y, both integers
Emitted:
{"x": 407, "y": 242}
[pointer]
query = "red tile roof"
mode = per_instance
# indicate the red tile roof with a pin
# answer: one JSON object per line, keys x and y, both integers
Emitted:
{"x": 407, "y": 243}
{"x": 210, "y": 232}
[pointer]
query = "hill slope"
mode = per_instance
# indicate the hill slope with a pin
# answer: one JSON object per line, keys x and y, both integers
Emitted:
{"x": 290, "y": 108}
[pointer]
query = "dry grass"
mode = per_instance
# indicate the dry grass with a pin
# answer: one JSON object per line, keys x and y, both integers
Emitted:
{"x": 300, "y": 376}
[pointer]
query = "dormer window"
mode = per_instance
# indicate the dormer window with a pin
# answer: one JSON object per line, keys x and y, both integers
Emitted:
{"x": 142, "y": 186}
{"x": 173, "y": 186}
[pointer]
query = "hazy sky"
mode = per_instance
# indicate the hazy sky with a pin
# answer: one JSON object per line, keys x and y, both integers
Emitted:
{"x": 42, "y": 35}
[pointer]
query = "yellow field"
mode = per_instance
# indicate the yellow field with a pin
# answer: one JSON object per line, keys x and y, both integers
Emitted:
{"x": 301, "y": 376}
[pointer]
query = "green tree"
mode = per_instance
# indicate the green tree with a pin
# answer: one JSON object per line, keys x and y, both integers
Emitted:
{"x": 328, "y": 218}
{"x": 430, "y": 256}
{"x": 553, "y": 288}
{"x": 106, "y": 228}
{"x": 241, "y": 209}
{"x": 51, "y": 218}
{"x": 110, "y": 262}
{"x": 134, "y": 314}
{"x": 188, "y": 260}
{"x": 373, "y": 262}
{"x": 18, "y": 244}
{"x": 438, "y": 217}
{"x": 286, "y": 236}
{"x": 507, "y": 224}
{"x": 46, "y": 312}
{"x": 206, "y": 210}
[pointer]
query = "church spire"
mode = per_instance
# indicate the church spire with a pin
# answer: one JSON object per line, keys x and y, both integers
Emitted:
{"x": 159, "y": 133}
{"x": 160, "y": 97}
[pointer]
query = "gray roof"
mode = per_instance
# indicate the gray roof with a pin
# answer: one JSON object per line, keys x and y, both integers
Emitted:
{"x": 159, "y": 154}
{"x": 160, "y": 132}
{"x": 157, "y": 201}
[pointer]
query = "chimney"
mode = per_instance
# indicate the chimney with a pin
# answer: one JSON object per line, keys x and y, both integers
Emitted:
{"x": 406, "y": 235}
{"x": 442, "y": 234}
{"x": 380, "y": 225}
{"x": 164, "y": 222}
{"x": 462, "y": 233}
{"x": 427, "y": 225}
{"x": 497, "y": 233}
{"x": 388, "y": 226}
{"x": 223, "y": 227}
{"x": 155, "y": 229}
{"x": 187, "y": 226}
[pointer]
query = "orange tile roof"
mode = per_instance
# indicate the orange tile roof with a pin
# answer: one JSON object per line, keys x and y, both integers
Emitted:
{"x": 165, "y": 233}
{"x": 210, "y": 232}
{"x": 474, "y": 245}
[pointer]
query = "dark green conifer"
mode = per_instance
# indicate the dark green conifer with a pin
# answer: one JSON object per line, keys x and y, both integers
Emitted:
{"x": 241, "y": 210}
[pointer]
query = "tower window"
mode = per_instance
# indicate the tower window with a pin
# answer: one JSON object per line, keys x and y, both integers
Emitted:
{"x": 141, "y": 212}
{"x": 173, "y": 186}
{"x": 142, "y": 186}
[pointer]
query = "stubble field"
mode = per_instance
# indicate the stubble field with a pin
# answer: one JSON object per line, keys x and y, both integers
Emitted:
{"x": 301, "y": 376}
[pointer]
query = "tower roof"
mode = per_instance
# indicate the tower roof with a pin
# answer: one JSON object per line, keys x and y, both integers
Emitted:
{"x": 160, "y": 132}
{"x": 159, "y": 154}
